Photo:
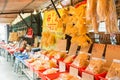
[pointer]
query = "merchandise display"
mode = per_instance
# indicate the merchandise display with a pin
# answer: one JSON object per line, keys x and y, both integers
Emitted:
{"x": 69, "y": 44}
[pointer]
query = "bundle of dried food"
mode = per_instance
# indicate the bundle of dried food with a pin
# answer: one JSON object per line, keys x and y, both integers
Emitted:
{"x": 96, "y": 66}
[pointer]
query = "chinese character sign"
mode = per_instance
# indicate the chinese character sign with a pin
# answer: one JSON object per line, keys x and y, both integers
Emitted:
{"x": 51, "y": 20}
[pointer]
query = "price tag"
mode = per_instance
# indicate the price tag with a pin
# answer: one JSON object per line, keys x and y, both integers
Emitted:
{"x": 73, "y": 71}
{"x": 86, "y": 76}
{"x": 62, "y": 66}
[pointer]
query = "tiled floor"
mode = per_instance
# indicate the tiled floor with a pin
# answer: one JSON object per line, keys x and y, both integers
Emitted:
{"x": 6, "y": 71}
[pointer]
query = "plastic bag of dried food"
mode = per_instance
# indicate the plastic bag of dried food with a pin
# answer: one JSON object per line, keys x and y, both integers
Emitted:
{"x": 91, "y": 9}
{"x": 96, "y": 65}
{"x": 114, "y": 71}
{"x": 102, "y": 8}
{"x": 81, "y": 60}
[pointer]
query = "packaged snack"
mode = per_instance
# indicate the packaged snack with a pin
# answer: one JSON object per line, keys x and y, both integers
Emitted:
{"x": 114, "y": 71}
{"x": 96, "y": 66}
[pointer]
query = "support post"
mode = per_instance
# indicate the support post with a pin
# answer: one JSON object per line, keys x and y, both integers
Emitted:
{"x": 23, "y": 20}
{"x": 55, "y": 9}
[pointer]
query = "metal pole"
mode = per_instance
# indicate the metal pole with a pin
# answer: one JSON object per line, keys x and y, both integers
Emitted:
{"x": 55, "y": 9}
{"x": 23, "y": 20}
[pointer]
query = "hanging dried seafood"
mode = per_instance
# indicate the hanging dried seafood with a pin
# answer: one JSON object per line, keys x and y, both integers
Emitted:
{"x": 91, "y": 9}
{"x": 102, "y": 9}
{"x": 95, "y": 24}
{"x": 75, "y": 25}
{"x": 91, "y": 14}
{"x": 48, "y": 39}
{"x": 111, "y": 18}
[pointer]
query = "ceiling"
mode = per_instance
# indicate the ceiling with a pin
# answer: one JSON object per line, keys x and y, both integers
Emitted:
{"x": 8, "y": 7}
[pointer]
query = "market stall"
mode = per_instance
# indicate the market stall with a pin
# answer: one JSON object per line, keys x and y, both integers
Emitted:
{"x": 70, "y": 45}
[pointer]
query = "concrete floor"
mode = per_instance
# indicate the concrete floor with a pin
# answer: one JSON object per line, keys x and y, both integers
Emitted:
{"x": 7, "y": 72}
